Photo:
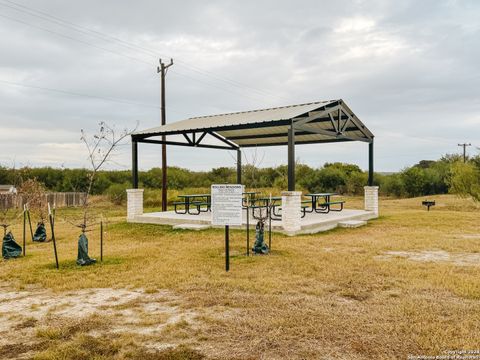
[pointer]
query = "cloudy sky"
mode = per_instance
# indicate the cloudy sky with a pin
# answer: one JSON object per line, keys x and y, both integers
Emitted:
{"x": 409, "y": 69}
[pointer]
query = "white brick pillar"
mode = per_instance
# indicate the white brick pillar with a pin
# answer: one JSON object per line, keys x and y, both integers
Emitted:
{"x": 371, "y": 198}
{"x": 134, "y": 203}
{"x": 291, "y": 211}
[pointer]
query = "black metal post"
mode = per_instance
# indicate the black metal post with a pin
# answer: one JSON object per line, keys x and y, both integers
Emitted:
{"x": 239, "y": 166}
{"x": 53, "y": 240}
{"x": 101, "y": 240}
{"x": 291, "y": 158}
{"x": 270, "y": 230}
{"x": 24, "y": 231}
{"x": 248, "y": 231}
{"x": 227, "y": 249}
{"x": 30, "y": 223}
{"x": 370, "y": 163}
{"x": 134, "y": 164}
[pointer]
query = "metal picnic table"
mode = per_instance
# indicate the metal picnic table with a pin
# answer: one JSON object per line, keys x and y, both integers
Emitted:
{"x": 199, "y": 200}
{"x": 267, "y": 203}
{"x": 249, "y": 198}
{"x": 190, "y": 200}
{"x": 323, "y": 207}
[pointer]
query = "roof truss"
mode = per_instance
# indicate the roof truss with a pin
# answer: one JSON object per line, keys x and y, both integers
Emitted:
{"x": 333, "y": 122}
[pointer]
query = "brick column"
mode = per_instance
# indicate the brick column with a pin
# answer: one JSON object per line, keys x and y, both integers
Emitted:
{"x": 291, "y": 211}
{"x": 371, "y": 198}
{"x": 134, "y": 203}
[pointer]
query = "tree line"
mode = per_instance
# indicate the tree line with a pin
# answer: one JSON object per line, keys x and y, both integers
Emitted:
{"x": 448, "y": 174}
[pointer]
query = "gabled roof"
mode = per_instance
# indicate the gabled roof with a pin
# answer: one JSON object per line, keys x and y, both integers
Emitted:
{"x": 316, "y": 122}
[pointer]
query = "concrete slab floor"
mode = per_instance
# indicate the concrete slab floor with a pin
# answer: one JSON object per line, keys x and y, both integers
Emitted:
{"x": 311, "y": 223}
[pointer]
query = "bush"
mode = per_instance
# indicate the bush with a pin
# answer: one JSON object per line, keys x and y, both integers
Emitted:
{"x": 355, "y": 183}
{"x": 414, "y": 181}
{"x": 465, "y": 180}
{"x": 392, "y": 185}
{"x": 117, "y": 193}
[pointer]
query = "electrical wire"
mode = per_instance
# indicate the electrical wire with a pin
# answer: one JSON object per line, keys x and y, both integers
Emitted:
{"x": 121, "y": 54}
{"x": 71, "y": 93}
{"x": 84, "y": 30}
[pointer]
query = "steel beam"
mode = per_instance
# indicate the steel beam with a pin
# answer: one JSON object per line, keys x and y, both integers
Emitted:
{"x": 360, "y": 127}
{"x": 275, "y": 135}
{"x": 239, "y": 166}
{"x": 298, "y": 142}
{"x": 291, "y": 158}
{"x": 370, "y": 163}
{"x": 313, "y": 115}
{"x": 200, "y": 138}
{"x": 148, "y": 141}
{"x": 330, "y": 133}
{"x": 187, "y": 138}
{"x": 134, "y": 164}
{"x": 223, "y": 139}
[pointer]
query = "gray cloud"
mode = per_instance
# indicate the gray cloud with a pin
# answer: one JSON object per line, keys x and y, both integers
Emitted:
{"x": 408, "y": 69}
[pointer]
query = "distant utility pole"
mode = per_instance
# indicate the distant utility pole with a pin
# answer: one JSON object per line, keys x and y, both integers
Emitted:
{"x": 162, "y": 69}
{"x": 464, "y": 145}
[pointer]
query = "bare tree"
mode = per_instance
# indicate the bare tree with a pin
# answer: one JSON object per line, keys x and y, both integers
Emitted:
{"x": 251, "y": 164}
{"x": 34, "y": 194}
{"x": 100, "y": 149}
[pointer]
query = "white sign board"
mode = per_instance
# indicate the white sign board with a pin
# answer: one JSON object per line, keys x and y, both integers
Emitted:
{"x": 227, "y": 204}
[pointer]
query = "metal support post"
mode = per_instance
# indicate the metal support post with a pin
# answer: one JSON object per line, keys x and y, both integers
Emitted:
{"x": 291, "y": 158}
{"x": 370, "y": 163}
{"x": 227, "y": 249}
{"x": 134, "y": 164}
{"x": 239, "y": 166}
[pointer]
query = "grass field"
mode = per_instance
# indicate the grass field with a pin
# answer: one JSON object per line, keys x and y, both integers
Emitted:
{"x": 406, "y": 284}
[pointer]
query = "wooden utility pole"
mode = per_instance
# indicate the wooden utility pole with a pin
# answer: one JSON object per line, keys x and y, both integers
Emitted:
{"x": 162, "y": 69}
{"x": 464, "y": 145}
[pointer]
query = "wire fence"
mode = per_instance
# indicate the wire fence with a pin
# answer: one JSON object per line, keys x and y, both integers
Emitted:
{"x": 59, "y": 199}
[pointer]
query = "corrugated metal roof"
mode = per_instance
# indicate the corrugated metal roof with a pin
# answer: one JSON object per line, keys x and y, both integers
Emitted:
{"x": 270, "y": 126}
{"x": 237, "y": 118}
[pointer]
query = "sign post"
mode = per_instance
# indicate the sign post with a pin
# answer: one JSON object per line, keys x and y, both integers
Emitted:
{"x": 227, "y": 210}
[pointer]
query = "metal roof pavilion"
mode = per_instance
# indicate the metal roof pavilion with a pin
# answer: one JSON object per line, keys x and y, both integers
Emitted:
{"x": 316, "y": 122}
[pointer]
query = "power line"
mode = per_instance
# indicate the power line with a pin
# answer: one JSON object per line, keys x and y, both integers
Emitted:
{"x": 121, "y": 54}
{"x": 72, "y": 38}
{"x": 71, "y": 93}
{"x": 84, "y": 30}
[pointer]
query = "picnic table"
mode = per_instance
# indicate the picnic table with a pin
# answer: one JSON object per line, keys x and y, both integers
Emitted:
{"x": 197, "y": 201}
{"x": 321, "y": 203}
{"x": 202, "y": 202}
{"x": 270, "y": 203}
{"x": 249, "y": 198}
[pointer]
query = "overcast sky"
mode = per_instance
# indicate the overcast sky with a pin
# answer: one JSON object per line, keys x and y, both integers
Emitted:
{"x": 408, "y": 69}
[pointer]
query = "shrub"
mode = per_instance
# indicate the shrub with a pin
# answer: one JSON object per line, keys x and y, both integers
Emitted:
{"x": 392, "y": 185}
{"x": 355, "y": 183}
{"x": 117, "y": 193}
{"x": 465, "y": 180}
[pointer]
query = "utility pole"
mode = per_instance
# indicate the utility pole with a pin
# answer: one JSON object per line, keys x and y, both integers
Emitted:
{"x": 464, "y": 145}
{"x": 162, "y": 69}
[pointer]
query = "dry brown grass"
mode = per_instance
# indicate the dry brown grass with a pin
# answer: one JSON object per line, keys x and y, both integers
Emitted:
{"x": 328, "y": 295}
